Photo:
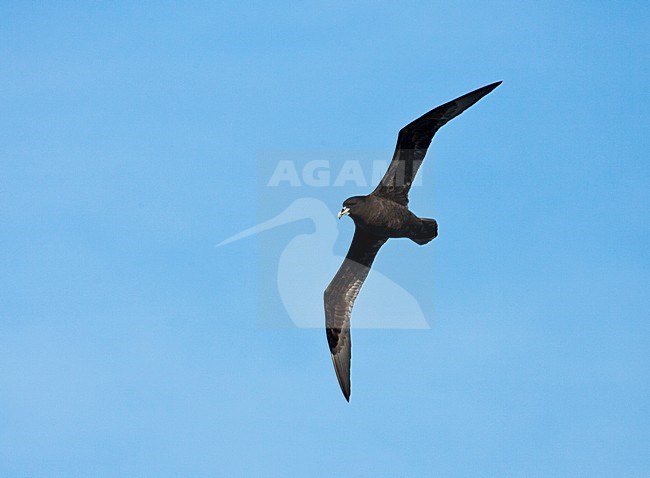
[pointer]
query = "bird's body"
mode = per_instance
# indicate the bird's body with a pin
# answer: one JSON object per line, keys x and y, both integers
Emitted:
{"x": 383, "y": 217}
{"x": 379, "y": 216}
{"x": 387, "y": 219}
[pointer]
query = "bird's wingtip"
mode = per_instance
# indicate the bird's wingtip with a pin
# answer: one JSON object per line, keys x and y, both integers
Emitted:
{"x": 481, "y": 92}
{"x": 346, "y": 393}
{"x": 341, "y": 363}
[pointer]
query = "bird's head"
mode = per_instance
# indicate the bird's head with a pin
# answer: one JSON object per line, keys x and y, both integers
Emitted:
{"x": 351, "y": 206}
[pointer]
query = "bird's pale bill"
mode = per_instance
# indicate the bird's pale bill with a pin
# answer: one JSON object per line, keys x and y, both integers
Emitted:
{"x": 343, "y": 212}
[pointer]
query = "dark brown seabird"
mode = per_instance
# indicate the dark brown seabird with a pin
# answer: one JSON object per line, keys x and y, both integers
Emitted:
{"x": 379, "y": 216}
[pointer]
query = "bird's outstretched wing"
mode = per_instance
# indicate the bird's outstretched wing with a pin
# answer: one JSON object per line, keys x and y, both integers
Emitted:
{"x": 339, "y": 299}
{"x": 414, "y": 140}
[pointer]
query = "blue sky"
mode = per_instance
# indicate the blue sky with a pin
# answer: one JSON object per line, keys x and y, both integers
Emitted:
{"x": 133, "y": 138}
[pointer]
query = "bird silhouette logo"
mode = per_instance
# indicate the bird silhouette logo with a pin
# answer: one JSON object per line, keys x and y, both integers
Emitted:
{"x": 308, "y": 260}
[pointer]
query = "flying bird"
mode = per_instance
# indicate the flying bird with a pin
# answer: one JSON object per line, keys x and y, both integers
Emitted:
{"x": 379, "y": 216}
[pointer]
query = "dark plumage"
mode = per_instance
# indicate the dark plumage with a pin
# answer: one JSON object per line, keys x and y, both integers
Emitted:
{"x": 381, "y": 215}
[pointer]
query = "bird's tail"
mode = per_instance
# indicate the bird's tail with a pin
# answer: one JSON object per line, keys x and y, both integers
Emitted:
{"x": 426, "y": 232}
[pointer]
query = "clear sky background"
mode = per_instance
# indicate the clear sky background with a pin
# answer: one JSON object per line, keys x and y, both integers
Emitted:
{"x": 129, "y": 146}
